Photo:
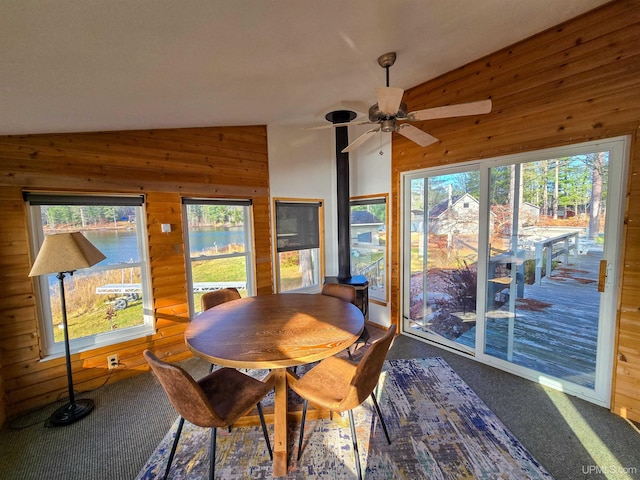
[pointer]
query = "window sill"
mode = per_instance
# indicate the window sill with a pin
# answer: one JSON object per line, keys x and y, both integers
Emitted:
{"x": 382, "y": 303}
{"x": 99, "y": 341}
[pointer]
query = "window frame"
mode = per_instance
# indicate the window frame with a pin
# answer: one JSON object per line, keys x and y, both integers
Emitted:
{"x": 375, "y": 199}
{"x": 249, "y": 244}
{"x": 319, "y": 256}
{"x": 49, "y": 347}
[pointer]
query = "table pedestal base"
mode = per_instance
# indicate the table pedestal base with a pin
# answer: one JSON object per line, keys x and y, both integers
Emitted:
{"x": 280, "y": 423}
{"x": 279, "y": 414}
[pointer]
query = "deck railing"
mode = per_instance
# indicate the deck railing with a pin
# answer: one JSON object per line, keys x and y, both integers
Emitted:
{"x": 372, "y": 272}
{"x": 554, "y": 247}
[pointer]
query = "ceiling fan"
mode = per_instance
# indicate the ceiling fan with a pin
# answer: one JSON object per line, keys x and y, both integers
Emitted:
{"x": 390, "y": 110}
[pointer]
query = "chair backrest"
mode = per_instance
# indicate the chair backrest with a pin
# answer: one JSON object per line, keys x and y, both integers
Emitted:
{"x": 344, "y": 292}
{"x": 211, "y": 299}
{"x": 184, "y": 393}
{"x": 368, "y": 371}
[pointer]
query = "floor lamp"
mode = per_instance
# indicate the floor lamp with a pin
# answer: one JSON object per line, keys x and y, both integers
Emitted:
{"x": 65, "y": 253}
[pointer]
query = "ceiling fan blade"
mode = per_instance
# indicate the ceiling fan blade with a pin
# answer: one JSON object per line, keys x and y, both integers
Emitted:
{"x": 461, "y": 109}
{"x": 344, "y": 124}
{"x": 389, "y": 99}
{"x": 415, "y": 134}
{"x": 360, "y": 140}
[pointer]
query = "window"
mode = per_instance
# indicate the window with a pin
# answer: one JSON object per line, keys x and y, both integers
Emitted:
{"x": 369, "y": 243}
{"x": 298, "y": 244}
{"x": 219, "y": 241}
{"x": 105, "y": 303}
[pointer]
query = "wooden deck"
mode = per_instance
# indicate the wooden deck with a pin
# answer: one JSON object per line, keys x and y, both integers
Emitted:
{"x": 557, "y": 338}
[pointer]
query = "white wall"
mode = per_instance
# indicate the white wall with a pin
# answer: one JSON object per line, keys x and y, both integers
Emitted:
{"x": 302, "y": 164}
{"x": 370, "y": 174}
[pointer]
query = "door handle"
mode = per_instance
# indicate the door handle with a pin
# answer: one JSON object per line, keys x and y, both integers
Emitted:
{"x": 602, "y": 275}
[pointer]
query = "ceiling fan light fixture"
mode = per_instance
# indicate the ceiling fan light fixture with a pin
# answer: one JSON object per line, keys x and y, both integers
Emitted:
{"x": 388, "y": 125}
{"x": 402, "y": 111}
{"x": 376, "y": 116}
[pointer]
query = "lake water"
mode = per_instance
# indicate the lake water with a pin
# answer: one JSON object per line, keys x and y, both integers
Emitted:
{"x": 117, "y": 245}
{"x": 121, "y": 246}
{"x": 201, "y": 239}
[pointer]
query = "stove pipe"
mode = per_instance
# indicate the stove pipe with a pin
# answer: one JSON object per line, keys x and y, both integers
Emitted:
{"x": 342, "y": 180}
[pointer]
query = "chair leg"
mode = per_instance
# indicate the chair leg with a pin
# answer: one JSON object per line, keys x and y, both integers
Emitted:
{"x": 264, "y": 430}
{"x": 354, "y": 439}
{"x": 212, "y": 454}
{"x": 355, "y": 347}
{"x": 173, "y": 448}
{"x": 384, "y": 427}
{"x": 304, "y": 417}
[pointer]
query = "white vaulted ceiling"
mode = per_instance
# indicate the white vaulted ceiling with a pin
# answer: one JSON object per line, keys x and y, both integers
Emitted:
{"x": 87, "y": 65}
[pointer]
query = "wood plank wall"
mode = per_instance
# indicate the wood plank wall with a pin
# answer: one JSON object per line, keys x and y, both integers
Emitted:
{"x": 162, "y": 164}
{"x": 576, "y": 82}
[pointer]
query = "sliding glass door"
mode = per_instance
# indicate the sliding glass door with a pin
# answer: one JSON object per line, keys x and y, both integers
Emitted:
{"x": 514, "y": 260}
{"x": 442, "y": 249}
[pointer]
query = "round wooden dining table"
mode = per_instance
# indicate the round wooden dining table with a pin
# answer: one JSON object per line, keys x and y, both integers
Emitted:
{"x": 275, "y": 332}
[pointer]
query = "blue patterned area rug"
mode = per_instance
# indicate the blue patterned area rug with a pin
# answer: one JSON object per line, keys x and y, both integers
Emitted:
{"x": 439, "y": 429}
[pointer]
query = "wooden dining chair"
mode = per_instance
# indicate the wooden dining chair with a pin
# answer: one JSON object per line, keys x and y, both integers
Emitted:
{"x": 217, "y": 400}
{"x": 338, "y": 384}
{"x": 216, "y": 297}
{"x": 348, "y": 294}
{"x": 344, "y": 292}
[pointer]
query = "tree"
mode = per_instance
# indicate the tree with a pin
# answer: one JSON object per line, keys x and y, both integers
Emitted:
{"x": 306, "y": 267}
{"x": 111, "y": 214}
{"x": 195, "y": 214}
{"x": 235, "y": 215}
{"x": 417, "y": 197}
{"x": 597, "y": 183}
{"x": 533, "y": 182}
{"x": 437, "y": 191}
{"x": 545, "y": 183}
{"x": 500, "y": 185}
{"x": 467, "y": 182}
{"x": 56, "y": 215}
{"x": 575, "y": 183}
{"x": 556, "y": 169}
{"x": 379, "y": 210}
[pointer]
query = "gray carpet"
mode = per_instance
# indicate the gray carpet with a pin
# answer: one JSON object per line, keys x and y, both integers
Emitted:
{"x": 571, "y": 438}
{"x": 129, "y": 418}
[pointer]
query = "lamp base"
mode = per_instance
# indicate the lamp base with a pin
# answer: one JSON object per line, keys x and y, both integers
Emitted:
{"x": 71, "y": 412}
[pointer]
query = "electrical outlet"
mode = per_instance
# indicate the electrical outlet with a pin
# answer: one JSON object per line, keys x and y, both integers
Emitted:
{"x": 113, "y": 361}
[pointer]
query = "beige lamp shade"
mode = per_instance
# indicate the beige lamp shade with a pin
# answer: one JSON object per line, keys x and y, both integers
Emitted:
{"x": 65, "y": 252}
